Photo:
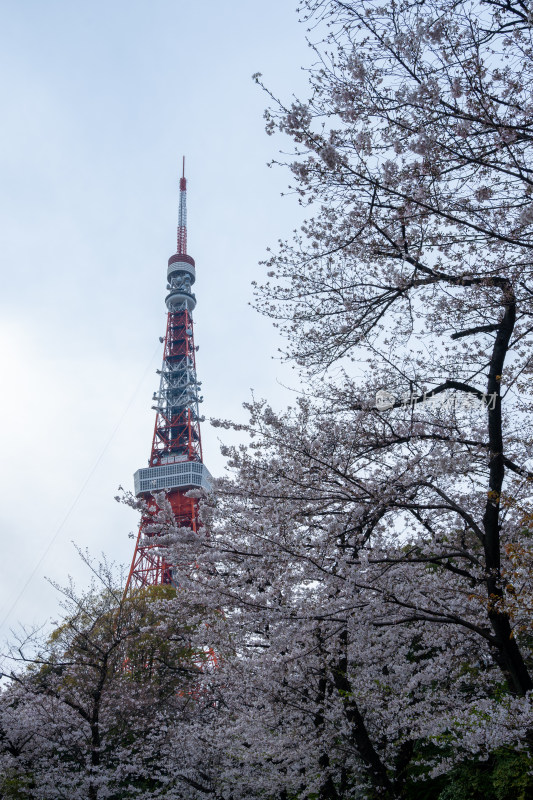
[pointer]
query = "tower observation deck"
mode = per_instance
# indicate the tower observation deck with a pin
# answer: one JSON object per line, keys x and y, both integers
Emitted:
{"x": 175, "y": 465}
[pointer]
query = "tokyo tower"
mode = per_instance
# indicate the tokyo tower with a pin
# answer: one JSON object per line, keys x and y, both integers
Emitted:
{"x": 175, "y": 466}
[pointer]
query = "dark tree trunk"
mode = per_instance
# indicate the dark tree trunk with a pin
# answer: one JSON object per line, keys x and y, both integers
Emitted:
{"x": 508, "y": 655}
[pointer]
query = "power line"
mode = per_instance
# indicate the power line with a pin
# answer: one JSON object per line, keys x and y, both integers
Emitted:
{"x": 83, "y": 487}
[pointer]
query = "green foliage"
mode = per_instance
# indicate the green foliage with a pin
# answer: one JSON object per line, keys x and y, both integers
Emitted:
{"x": 506, "y": 775}
{"x": 16, "y": 786}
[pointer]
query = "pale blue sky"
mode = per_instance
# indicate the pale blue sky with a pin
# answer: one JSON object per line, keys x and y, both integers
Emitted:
{"x": 99, "y": 101}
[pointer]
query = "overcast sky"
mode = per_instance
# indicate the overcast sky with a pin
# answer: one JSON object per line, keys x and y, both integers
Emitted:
{"x": 99, "y": 102}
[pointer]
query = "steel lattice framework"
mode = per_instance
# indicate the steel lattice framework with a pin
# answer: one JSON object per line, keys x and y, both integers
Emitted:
{"x": 175, "y": 464}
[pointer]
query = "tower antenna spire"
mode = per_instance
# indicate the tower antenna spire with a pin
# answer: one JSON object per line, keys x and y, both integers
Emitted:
{"x": 182, "y": 215}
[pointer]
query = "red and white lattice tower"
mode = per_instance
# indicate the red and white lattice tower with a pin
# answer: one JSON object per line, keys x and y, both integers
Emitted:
{"x": 175, "y": 464}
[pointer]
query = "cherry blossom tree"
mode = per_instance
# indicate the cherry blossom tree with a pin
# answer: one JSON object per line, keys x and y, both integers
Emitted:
{"x": 373, "y": 551}
{"x": 114, "y": 704}
{"x": 423, "y": 255}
